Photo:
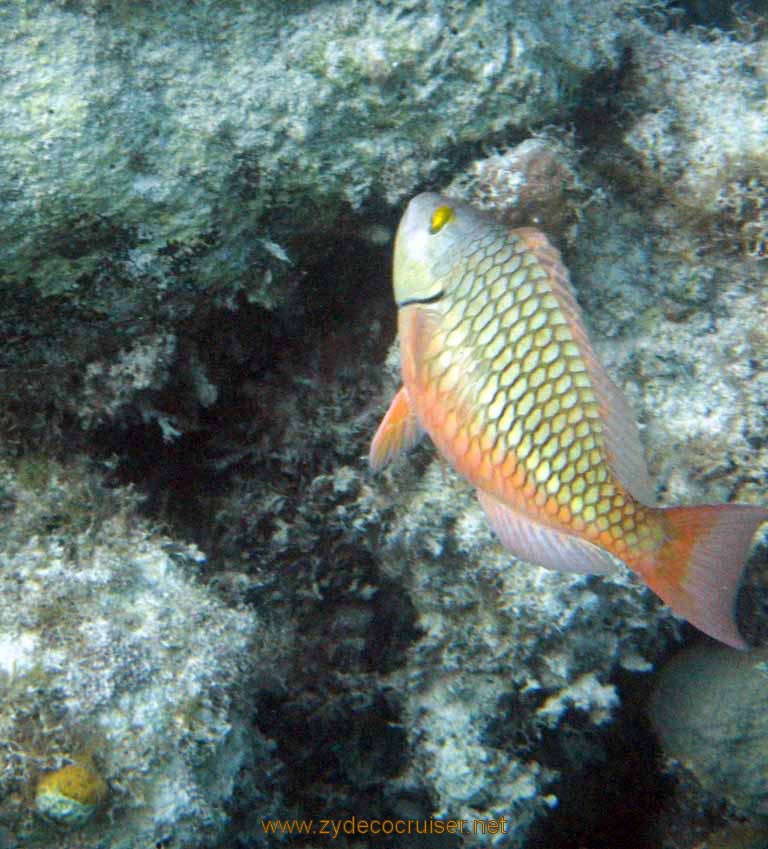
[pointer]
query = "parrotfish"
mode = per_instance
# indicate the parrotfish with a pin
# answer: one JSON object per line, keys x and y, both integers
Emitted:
{"x": 499, "y": 371}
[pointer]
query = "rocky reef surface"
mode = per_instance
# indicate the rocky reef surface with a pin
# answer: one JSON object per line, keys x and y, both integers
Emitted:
{"x": 126, "y": 687}
{"x": 163, "y": 158}
{"x": 195, "y": 307}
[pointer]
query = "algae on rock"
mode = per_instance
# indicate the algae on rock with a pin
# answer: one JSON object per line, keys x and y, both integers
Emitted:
{"x": 111, "y": 650}
{"x": 161, "y": 158}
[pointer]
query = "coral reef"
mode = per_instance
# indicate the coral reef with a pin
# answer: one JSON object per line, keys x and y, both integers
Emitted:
{"x": 509, "y": 666}
{"x": 124, "y": 680}
{"x": 195, "y": 298}
{"x": 502, "y": 674}
{"x": 164, "y": 159}
{"x": 701, "y": 134}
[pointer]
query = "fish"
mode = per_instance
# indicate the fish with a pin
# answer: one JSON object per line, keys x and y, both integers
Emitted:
{"x": 498, "y": 370}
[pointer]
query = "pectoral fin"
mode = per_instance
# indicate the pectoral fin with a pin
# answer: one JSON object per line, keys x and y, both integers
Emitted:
{"x": 399, "y": 431}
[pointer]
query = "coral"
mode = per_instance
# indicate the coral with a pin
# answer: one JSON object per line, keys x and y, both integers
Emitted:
{"x": 250, "y": 119}
{"x": 71, "y": 794}
{"x": 195, "y": 274}
{"x": 109, "y": 387}
{"x": 416, "y": 629}
{"x": 490, "y": 683}
{"x": 535, "y": 183}
{"x": 683, "y": 336}
{"x": 168, "y": 161}
{"x": 744, "y": 206}
{"x": 512, "y": 655}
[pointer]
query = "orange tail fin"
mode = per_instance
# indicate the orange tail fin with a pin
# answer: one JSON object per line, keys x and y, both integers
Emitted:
{"x": 698, "y": 568}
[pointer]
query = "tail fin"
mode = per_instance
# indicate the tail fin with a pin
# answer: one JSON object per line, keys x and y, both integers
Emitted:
{"x": 698, "y": 568}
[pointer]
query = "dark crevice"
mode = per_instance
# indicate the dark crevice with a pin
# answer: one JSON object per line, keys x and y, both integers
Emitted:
{"x": 724, "y": 15}
{"x": 613, "y": 781}
{"x": 253, "y": 356}
{"x": 252, "y": 481}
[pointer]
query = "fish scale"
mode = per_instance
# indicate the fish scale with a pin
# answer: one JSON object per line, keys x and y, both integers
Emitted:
{"x": 499, "y": 371}
{"x": 528, "y": 387}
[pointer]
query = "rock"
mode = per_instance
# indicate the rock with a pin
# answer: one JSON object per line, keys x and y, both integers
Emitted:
{"x": 702, "y": 135}
{"x": 162, "y": 159}
{"x": 708, "y": 709}
{"x": 118, "y": 670}
{"x": 132, "y": 130}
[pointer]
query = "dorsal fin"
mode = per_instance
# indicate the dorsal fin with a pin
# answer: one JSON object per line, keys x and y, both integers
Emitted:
{"x": 622, "y": 438}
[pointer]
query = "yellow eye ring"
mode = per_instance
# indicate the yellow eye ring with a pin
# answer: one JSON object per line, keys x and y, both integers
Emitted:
{"x": 440, "y": 217}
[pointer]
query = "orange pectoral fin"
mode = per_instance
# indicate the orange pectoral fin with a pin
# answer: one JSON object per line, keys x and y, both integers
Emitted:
{"x": 399, "y": 431}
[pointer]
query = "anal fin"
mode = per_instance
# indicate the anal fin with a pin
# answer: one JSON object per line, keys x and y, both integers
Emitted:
{"x": 530, "y": 540}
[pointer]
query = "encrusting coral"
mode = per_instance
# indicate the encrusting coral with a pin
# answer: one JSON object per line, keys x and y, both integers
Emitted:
{"x": 70, "y": 794}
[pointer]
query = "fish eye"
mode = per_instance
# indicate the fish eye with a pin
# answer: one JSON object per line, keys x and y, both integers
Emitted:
{"x": 440, "y": 217}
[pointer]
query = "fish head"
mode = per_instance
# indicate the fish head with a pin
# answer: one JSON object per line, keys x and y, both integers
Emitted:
{"x": 432, "y": 237}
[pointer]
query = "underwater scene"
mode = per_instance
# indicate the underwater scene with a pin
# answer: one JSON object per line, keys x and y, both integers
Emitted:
{"x": 383, "y": 450}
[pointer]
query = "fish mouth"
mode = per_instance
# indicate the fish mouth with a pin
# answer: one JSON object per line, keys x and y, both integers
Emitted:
{"x": 432, "y": 299}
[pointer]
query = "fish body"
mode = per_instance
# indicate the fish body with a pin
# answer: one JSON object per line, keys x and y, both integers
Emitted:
{"x": 499, "y": 372}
